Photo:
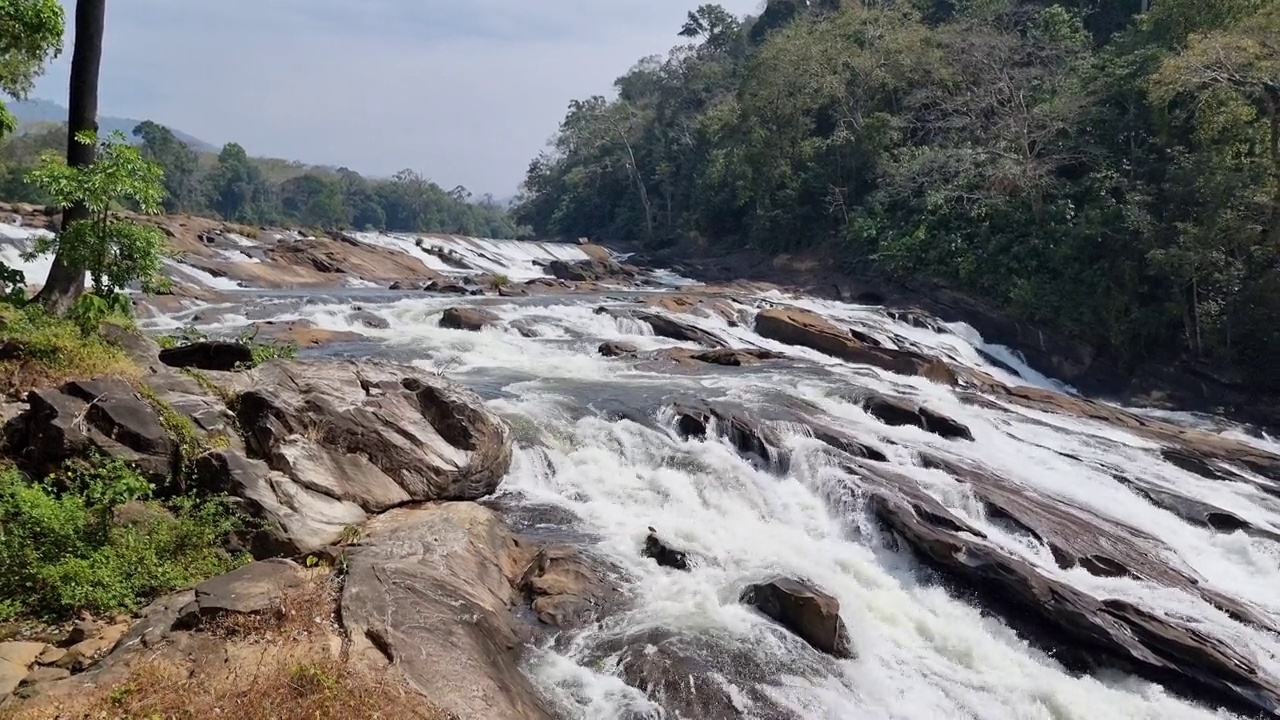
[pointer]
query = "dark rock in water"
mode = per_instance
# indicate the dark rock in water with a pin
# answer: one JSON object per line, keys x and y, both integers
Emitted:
{"x": 811, "y": 614}
{"x": 436, "y": 286}
{"x": 527, "y": 328}
{"x": 749, "y": 436}
{"x": 617, "y": 348}
{"x": 368, "y": 319}
{"x": 208, "y": 355}
{"x": 85, "y": 416}
{"x": 254, "y": 589}
{"x": 696, "y": 676}
{"x": 567, "y": 589}
{"x": 893, "y": 411}
{"x": 663, "y": 554}
{"x": 667, "y": 327}
{"x": 998, "y": 362}
{"x": 1082, "y": 631}
{"x": 735, "y": 357}
{"x": 919, "y": 319}
{"x": 464, "y": 318}
{"x": 808, "y": 329}
{"x": 508, "y": 291}
{"x": 404, "y": 285}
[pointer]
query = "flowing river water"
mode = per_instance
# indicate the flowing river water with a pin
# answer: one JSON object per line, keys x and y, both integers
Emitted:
{"x": 599, "y": 460}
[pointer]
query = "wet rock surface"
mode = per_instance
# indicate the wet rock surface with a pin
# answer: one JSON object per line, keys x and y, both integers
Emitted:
{"x": 660, "y": 552}
{"x": 811, "y": 614}
{"x": 474, "y": 319}
{"x": 208, "y": 355}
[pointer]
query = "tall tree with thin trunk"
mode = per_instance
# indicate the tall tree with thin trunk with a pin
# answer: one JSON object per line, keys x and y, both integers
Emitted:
{"x": 66, "y": 282}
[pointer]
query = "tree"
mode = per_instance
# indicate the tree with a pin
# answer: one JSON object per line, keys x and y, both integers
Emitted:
{"x": 32, "y": 36}
{"x": 115, "y": 252}
{"x": 66, "y": 280}
{"x": 180, "y": 164}
{"x": 236, "y": 188}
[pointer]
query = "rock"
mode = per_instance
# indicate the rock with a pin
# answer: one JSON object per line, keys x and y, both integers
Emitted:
{"x": 156, "y": 623}
{"x": 86, "y": 416}
{"x": 345, "y": 255}
{"x": 303, "y": 333}
{"x": 141, "y": 349}
{"x": 566, "y": 589}
{"x": 696, "y": 418}
{"x": 685, "y": 675}
{"x": 448, "y": 288}
{"x": 86, "y": 652}
{"x": 81, "y": 631}
{"x": 330, "y": 443}
{"x": 584, "y": 241}
{"x": 526, "y": 327}
{"x": 369, "y": 320}
{"x": 403, "y": 285}
{"x": 617, "y": 348}
{"x": 667, "y": 327}
{"x": 253, "y": 589}
{"x": 464, "y": 318}
{"x": 45, "y": 674}
{"x": 1083, "y": 631}
{"x": 50, "y": 656}
{"x": 892, "y": 411}
{"x": 737, "y": 356}
{"x": 811, "y": 614}
{"x": 663, "y": 554}
{"x": 208, "y": 355}
{"x": 16, "y": 659}
{"x": 807, "y": 329}
{"x": 428, "y": 589}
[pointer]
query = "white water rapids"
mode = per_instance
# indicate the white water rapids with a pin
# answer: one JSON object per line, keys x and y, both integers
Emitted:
{"x": 922, "y": 652}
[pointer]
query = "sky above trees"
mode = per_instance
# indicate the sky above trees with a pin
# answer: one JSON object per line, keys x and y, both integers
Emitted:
{"x": 465, "y": 92}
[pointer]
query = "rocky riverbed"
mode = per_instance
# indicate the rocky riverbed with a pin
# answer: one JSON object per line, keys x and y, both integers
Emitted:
{"x": 596, "y": 491}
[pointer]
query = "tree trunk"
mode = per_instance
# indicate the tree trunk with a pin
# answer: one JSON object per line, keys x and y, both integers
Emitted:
{"x": 65, "y": 283}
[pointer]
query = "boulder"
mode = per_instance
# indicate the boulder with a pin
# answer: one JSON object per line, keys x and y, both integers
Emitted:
{"x": 1082, "y": 631}
{"x": 735, "y": 357}
{"x": 685, "y": 675}
{"x": 567, "y": 589}
{"x": 429, "y": 590}
{"x": 663, "y": 554}
{"x": 617, "y": 348}
{"x": 16, "y": 659}
{"x": 369, "y": 320}
{"x": 896, "y": 412}
{"x": 85, "y": 653}
{"x": 252, "y": 589}
{"x": 694, "y": 419}
{"x": 811, "y": 614}
{"x": 208, "y": 355}
{"x": 669, "y": 327}
{"x": 466, "y": 318}
{"x": 330, "y": 443}
{"x": 807, "y": 329}
{"x": 80, "y": 417}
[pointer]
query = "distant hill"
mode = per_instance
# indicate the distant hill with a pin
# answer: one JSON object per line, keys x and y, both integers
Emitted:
{"x": 33, "y": 112}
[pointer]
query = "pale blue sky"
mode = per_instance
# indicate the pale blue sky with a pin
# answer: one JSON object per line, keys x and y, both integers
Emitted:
{"x": 465, "y": 91}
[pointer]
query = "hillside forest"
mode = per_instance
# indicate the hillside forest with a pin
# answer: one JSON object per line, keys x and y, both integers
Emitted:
{"x": 1106, "y": 168}
{"x": 260, "y": 191}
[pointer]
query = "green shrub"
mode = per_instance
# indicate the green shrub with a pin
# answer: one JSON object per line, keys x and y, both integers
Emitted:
{"x": 39, "y": 349}
{"x": 91, "y": 539}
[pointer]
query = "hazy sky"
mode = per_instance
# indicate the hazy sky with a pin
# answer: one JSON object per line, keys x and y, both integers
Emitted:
{"x": 464, "y": 91}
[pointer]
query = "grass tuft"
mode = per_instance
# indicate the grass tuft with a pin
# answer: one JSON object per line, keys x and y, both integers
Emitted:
{"x": 37, "y": 349}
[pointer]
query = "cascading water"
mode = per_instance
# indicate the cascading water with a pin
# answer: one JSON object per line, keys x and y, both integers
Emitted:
{"x": 598, "y": 452}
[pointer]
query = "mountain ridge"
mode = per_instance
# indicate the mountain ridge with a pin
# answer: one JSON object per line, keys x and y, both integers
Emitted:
{"x": 35, "y": 111}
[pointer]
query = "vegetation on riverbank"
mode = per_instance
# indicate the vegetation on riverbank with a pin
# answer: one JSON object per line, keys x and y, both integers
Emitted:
{"x": 1109, "y": 171}
{"x": 262, "y": 191}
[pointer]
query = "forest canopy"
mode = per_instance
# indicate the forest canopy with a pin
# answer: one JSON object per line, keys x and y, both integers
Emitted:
{"x": 1110, "y": 169}
{"x": 239, "y": 188}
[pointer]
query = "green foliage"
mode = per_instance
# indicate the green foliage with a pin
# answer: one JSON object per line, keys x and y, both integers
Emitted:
{"x": 31, "y": 36}
{"x": 1110, "y": 174}
{"x": 90, "y": 539}
{"x": 114, "y": 251}
{"x": 40, "y": 348}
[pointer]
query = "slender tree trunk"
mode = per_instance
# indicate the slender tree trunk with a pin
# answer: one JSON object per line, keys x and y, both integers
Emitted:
{"x": 64, "y": 283}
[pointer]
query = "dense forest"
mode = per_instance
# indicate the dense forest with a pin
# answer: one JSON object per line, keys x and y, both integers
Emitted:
{"x": 1108, "y": 168}
{"x": 239, "y": 188}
